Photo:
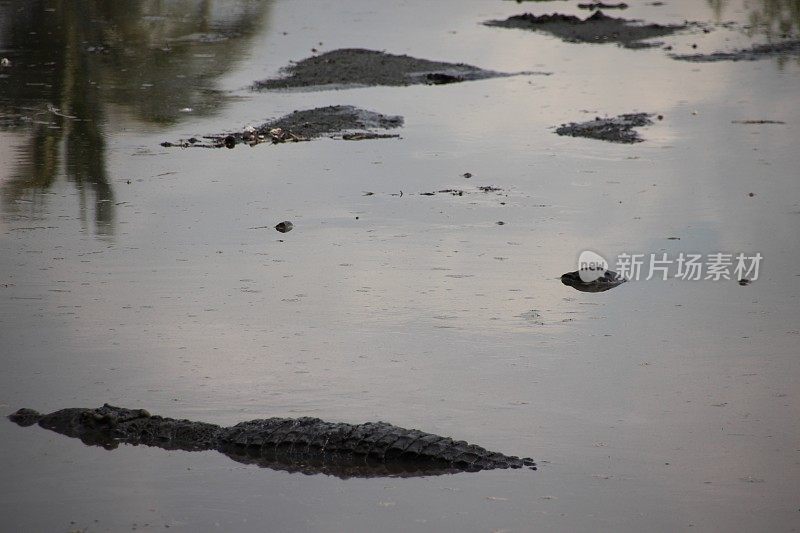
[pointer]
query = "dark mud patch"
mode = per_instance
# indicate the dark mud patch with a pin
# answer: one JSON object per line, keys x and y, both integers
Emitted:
{"x": 345, "y": 122}
{"x": 356, "y": 67}
{"x": 761, "y": 51}
{"x": 598, "y": 28}
{"x": 618, "y": 129}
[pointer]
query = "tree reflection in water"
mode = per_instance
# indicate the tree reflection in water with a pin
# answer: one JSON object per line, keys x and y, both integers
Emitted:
{"x": 72, "y": 61}
{"x": 775, "y": 19}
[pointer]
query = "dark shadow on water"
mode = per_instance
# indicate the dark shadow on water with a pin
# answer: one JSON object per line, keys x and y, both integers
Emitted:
{"x": 79, "y": 70}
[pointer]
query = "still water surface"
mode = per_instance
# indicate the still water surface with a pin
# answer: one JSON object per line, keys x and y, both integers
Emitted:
{"x": 131, "y": 273}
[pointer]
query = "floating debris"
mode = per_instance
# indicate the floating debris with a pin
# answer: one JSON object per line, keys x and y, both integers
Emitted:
{"x": 460, "y": 192}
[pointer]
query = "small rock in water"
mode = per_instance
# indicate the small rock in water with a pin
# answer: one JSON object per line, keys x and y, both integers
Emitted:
{"x": 285, "y": 226}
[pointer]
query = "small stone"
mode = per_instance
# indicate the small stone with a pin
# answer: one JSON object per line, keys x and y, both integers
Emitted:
{"x": 285, "y": 226}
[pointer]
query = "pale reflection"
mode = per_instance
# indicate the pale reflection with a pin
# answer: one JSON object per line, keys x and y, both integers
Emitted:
{"x": 773, "y": 18}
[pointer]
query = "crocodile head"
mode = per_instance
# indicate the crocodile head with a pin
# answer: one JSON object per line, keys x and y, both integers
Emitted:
{"x": 92, "y": 426}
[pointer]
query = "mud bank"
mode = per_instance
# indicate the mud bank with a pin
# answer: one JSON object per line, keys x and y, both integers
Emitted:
{"x": 356, "y": 67}
{"x": 616, "y": 129}
{"x": 598, "y": 28}
{"x": 761, "y": 51}
{"x": 340, "y": 121}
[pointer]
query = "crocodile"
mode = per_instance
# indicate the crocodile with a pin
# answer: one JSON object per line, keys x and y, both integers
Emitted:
{"x": 607, "y": 281}
{"x": 307, "y": 445}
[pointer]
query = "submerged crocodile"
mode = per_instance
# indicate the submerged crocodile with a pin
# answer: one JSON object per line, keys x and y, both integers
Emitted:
{"x": 607, "y": 281}
{"x": 307, "y": 445}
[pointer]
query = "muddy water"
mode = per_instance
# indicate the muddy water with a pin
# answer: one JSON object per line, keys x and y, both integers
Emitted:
{"x": 131, "y": 273}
